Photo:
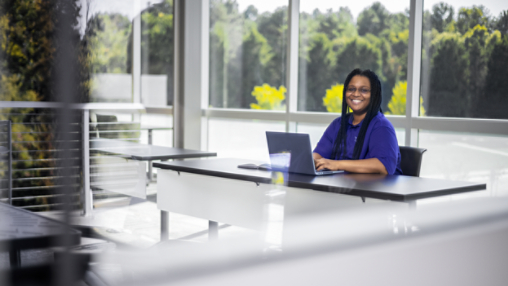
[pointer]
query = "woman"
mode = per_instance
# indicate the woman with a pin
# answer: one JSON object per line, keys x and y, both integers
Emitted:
{"x": 363, "y": 141}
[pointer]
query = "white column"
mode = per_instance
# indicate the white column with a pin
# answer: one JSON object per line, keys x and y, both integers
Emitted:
{"x": 136, "y": 53}
{"x": 413, "y": 69}
{"x": 191, "y": 71}
{"x": 292, "y": 62}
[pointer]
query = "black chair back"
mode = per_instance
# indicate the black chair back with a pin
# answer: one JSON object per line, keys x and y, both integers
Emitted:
{"x": 411, "y": 160}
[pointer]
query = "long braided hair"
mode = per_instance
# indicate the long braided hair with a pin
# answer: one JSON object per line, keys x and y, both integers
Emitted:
{"x": 373, "y": 108}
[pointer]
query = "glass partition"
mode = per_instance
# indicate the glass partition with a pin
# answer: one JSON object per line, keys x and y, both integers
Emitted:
{"x": 315, "y": 132}
{"x": 248, "y": 43}
{"x": 336, "y": 39}
{"x": 237, "y": 138}
{"x": 156, "y": 127}
{"x": 466, "y": 157}
{"x": 464, "y": 56}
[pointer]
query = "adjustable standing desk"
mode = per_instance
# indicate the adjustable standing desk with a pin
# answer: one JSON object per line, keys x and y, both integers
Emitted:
{"x": 217, "y": 190}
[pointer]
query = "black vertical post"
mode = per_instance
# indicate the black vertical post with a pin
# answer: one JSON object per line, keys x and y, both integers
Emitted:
{"x": 66, "y": 85}
{"x": 15, "y": 257}
{"x": 9, "y": 166}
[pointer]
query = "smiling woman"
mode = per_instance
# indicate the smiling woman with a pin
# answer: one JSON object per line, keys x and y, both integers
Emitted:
{"x": 358, "y": 97}
{"x": 362, "y": 141}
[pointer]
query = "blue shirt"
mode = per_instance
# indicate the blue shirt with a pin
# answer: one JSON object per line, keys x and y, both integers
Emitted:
{"x": 380, "y": 142}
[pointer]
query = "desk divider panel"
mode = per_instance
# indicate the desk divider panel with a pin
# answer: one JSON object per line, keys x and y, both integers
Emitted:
{"x": 119, "y": 175}
{"x": 262, "y": 207}
{"x": 240, "y": 203}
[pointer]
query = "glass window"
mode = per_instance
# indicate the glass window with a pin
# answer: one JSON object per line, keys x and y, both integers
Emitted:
{"x": 108, "y": 28}
{"x": 236, "y": 138}
{"x": 335, "y": 40}
{"x": 248, "y": 54}
{"x": 112, "y": 30}
{"x": 464, "y": 56}
{"x": 315, "y": 132}
{"x": 159, "y": 127}
{"x": 466, "y": 157}
{"x": 157, "y": 53}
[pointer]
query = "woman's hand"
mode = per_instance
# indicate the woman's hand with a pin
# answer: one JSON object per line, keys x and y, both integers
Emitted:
{"x": 372, "y": 165}
{"x": 322, "y": 163}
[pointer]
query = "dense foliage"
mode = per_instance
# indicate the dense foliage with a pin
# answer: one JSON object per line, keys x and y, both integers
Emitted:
{"x": 31, "y": 33}
{"x": 463, "y": 62}
{"x": 461, "y": 54}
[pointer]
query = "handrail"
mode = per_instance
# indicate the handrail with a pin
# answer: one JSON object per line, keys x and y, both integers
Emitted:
{"x": 78, "y": 106}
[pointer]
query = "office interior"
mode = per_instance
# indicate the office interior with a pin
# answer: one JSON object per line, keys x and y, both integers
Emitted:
{"x": 213, "y": 76}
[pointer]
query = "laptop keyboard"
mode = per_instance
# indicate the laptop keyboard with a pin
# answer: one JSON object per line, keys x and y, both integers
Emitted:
{"x": 324, "y": 172}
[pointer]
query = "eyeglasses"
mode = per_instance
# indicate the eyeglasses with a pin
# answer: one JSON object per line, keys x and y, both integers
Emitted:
{"x": 362, "y": 90}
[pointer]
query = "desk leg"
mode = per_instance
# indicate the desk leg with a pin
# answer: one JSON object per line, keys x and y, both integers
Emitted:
{"x": 150, "y": 172}
{"x": 213, "y": 230}
{"x": 412, "y": 204}
{"x": 15, "y": 258}
{"x": 164, "y": 225}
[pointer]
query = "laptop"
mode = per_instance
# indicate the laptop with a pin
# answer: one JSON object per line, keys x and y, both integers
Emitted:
{"x": 292, "y": 152}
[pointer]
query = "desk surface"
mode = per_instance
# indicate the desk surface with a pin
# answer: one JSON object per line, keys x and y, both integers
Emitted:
{"x": 142, "y": 152}
{"x": 390, "y": 187}
{"x": 21, "y": 229}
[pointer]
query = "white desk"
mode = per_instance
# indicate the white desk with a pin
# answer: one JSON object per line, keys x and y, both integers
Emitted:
{"x": 216, "y": 190}
{"x": 141, "y": 152}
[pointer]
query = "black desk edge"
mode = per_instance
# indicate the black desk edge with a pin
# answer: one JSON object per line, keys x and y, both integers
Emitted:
{"x": 182, "y": 156}
{"x": 73, "y": 236}
{"x": 323, "y": 188}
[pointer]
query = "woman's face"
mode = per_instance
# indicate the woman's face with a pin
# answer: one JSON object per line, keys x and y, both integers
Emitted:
{"x": 358, "y": 94}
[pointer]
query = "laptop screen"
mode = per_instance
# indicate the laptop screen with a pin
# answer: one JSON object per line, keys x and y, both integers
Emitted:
{"x": 290, "y": 151}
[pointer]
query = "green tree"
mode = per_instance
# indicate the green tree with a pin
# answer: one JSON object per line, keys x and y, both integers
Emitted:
{"x": 108, "y": 35}
{"x": 442, "y": 16}
{"x": 255, "y": 55}
{"x": 27, "y": 49}
{"x": 495, "y": 101}
{"x": 468, "y": 18}
{"x": 475, "y": 41}
{"x": 318, "y": 73}
{"x": 358, "y": 53}
{"x": 273, "y": 26}
{"x": 246, "y": 50}
{"x": 373, "y": 20}
{"x": 501, "y": 23}
{"x": 448, "y": 74}
{"x": 336, "y": 24}
{"x": 226, "y": 37}
{"x": 157, "y": 40}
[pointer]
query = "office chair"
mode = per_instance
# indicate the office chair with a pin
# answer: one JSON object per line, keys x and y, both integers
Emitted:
{"x": 411, "y": 160}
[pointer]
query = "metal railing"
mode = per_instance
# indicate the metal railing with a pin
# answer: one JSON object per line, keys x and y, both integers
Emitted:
{"x": 37, "y": 154}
